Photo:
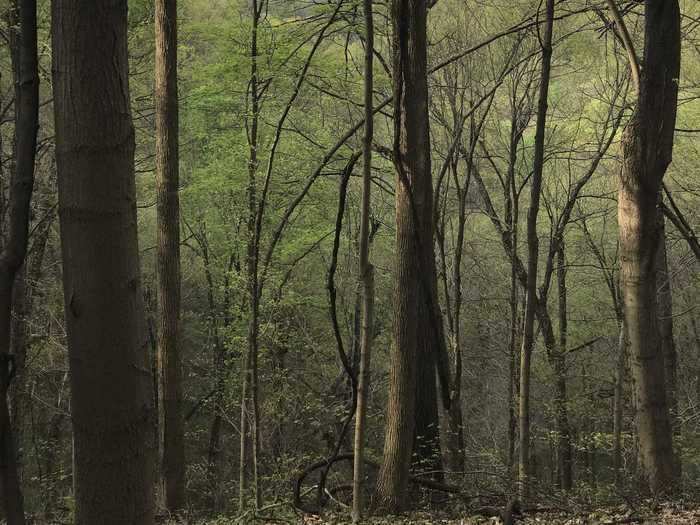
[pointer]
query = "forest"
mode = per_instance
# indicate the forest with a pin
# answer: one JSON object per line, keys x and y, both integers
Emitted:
{"x": 344, "y": 261}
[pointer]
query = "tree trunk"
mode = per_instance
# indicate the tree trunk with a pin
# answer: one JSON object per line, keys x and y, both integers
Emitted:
{"x": 366, "y": 273}
{"x": 14, "y": 251}
{"x": 168, "y": 257}
{"x": 647, "y": 146}
{"x": 532, "y": 243}
{"x": 455, "y": 419}
{"x": 413, "y": 196}
{"x": 512, "y": 363}
{"x": 564, "y": 452}
{"x": 249, "y": 396}
{"x": 111, "y": 383}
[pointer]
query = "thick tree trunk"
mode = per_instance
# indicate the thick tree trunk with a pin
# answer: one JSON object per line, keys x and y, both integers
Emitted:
{"x": 427, "y": 457}
{"x": 413, "y": 227}
{"x": 647, "y": 146}
{"x": 14, "y": 251}
{"x": 533, "y": 251}
{"x": 111, "y": 383}
{"x": 168, "y": 257}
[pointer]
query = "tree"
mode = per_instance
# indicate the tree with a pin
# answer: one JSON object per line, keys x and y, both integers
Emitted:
{"x": 366, "y": 272}
{"x": 168, "y": 257}
{"x": 14, "y": 247}
{"x": 532, "y": 244}
{"x": 647, "y": 148}
{"x": 415, "y": 281}
{"x": 111, "y": 381}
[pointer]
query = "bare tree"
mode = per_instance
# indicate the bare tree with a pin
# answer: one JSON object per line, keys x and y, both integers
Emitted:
{"x": 14, "y": 247}
{"x": 168, "y": 257}
{"x": 533, "y": 251}
{"x": 366, "y": 272}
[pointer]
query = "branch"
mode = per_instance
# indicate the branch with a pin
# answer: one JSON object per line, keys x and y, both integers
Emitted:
{"x": 627, "y": 41}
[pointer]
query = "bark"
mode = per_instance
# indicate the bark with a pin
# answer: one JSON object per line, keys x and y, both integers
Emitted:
{"x": 647, "y": 146}
{"x": 168, "y": 256}
{"x": 413, "y": 228}
{"x": 249, "y": 442}
{"x": 533, "y": 251}
{"x": 14, "y": 250}
{"x": 366, "y": 273}
{"x": 564, "y": 451}
{"x": 111, "y": 382}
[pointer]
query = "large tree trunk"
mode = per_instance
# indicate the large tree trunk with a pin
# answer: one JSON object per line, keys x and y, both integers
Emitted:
{"x": 14, "y": 251}
{"x": 413, "y": 229}
{"x": 533, "y": 251}
{"x": 647, "y": 145}
{"x": 111, "y": 383}
{"x": 168, "y": 258}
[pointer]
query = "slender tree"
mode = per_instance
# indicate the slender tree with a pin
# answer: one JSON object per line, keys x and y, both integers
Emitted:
{"x": 111, "y": 380}
{"x": 366, "y": 272}
{"x": 168, "y": 256}
{"x": 564, "y": 448}
{"x": 533, "y": 251}
{"x": 250, "y": 415}
{"x": 14, "y": 247}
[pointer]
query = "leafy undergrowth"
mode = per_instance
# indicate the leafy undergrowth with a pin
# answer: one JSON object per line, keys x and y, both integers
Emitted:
{"x": 648, "y": 513}
{"x": 666, "y": 514}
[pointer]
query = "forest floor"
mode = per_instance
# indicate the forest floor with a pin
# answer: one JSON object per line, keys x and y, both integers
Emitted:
{"x": 648, "y": 514}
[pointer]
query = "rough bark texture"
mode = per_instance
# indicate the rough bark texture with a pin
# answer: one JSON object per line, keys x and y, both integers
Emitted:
{"x": 15, "y": 245}
{"x": 111, "y": 382}
{"x": 647, "y": 146}
{"x": 533, "y": 251}
{"x": 413, "y": 226}
{"x": 168, "y": 257}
